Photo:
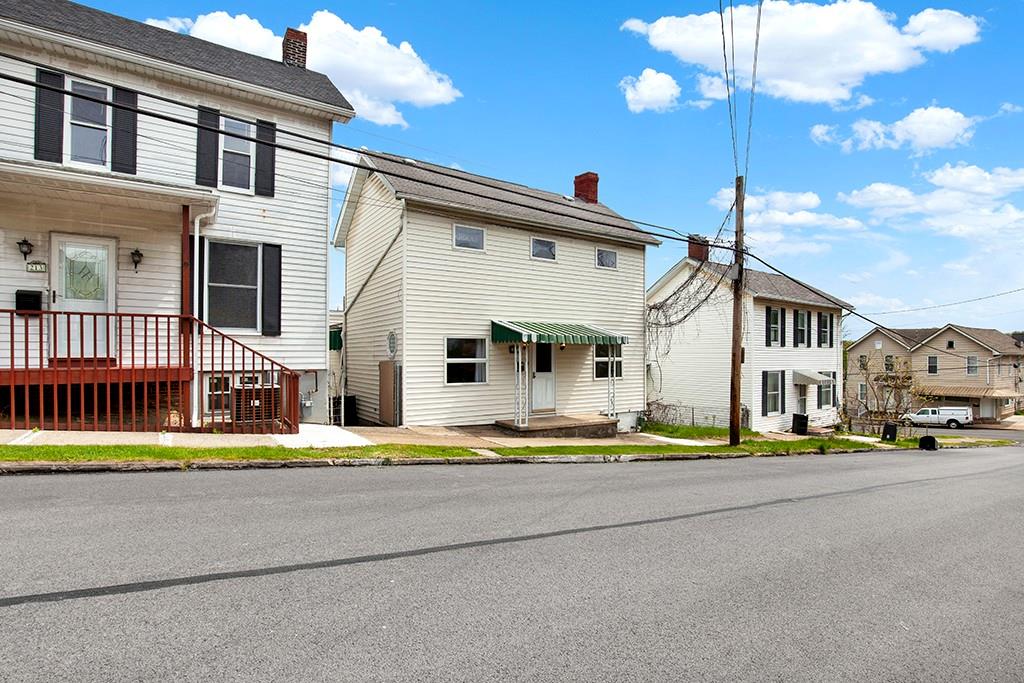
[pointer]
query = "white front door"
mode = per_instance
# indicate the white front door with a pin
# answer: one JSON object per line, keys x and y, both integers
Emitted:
{"x": 82, "y": 278}
{"x": 543, "y": 387}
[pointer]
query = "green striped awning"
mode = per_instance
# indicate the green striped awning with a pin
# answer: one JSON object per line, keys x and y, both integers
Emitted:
{"x": 515, "y": 331}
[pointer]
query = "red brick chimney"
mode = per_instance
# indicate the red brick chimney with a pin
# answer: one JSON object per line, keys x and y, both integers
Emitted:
{"x": 698, "y": 248}
{"x": 293, "y": 49}
{"x": 586, "y": 187}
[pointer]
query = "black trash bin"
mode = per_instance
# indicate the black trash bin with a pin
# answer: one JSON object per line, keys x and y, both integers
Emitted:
{"x": 928, "y": 443}
{"x": 350, "y": 411}
{"x": 800, "y": 424}
{"x": 889, "y": 431}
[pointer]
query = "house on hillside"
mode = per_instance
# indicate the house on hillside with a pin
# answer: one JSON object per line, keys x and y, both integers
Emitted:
{"x": 792, "y": 347}
{"x": 952, "y": 365}
{"x": 471, "y": 300}
{"x": 154, "y": 274}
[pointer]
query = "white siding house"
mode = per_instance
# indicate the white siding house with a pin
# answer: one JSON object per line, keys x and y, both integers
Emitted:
{"x": 115, "y": 198}
{"x": 792, "y": 348}
{"x": 438, "y": 282}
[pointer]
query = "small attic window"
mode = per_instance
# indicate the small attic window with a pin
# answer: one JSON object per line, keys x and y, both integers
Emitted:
{"x": 950, "y": 344}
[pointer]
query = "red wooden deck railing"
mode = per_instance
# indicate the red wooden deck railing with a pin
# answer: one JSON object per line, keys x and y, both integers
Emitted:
{"x": 134, "y": 372}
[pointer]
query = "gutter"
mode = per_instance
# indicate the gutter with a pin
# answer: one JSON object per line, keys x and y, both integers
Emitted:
{"x": 195, "y": 308}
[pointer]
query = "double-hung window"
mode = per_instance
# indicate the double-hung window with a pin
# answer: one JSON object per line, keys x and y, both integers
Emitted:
{"x": 607, "y": 258}
{"x": 89, "y": 125}
{"x": 827, "y": 389}
{"x": 933, "y": 365}
{"x": 862, "y": 392}
{"x": 972, "y": 365}
{"x": 466, "y": 237}
{"x": 774, "y": 325}
{"x": 233, "y": 285}
{"x": 465, "y": 360}
{"x": 237, "y": 167}
{"x": 773, "y": 393}
{"x": 862, "y": 362}
{"x": 824, "y": 333}
{"x": 890, "y": 363}
{"x": 605, "y": 355}
{"x": 802, "y": 330}
{"x": 543, "y": 249}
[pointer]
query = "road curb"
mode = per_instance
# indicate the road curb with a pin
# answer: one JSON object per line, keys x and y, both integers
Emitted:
{"x": 86, "y": 467}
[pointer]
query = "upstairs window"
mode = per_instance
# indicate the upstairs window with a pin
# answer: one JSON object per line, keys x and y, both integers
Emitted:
{"x": 604, "y": 356}
{"x": 824, "y": 329}
{"x": 237, "y": 167}
{"x": 465, "y": 360}
{"x": 233, "y": 285}
{"x": 89, "y": 125}
{"x": 465, "y": 237}
{"x": 774, "y": 318}
{"x": 801, "y": 328}
{"x": 950, "y": 344}
{"x": 972, "y": 365}
{"x": 890, "y": 363}
{"x": 607, "y": 258}
{"x": 862, "y": 362}
{"x": 933, "y": 365}
{"x": 543, "y": 249}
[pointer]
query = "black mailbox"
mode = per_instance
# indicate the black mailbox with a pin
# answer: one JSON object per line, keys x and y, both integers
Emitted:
{"x": 28, "y": 300}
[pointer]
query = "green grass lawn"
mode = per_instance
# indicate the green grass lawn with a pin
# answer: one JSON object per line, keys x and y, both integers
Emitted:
{"x": 752, "y": 447}
{"x": 174, "y": 453}
{"x": 691, "y": 432}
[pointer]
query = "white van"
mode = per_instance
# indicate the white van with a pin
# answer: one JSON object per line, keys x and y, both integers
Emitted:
{"x": 954, "y": 418}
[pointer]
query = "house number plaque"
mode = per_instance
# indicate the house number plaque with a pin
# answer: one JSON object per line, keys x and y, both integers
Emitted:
{"x": 35, "y": 267}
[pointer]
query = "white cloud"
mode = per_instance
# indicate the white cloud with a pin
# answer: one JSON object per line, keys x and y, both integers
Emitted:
{"x": 811, "y": 52}
{"x": 1010, "y": 108}
{"x": 767, "y": 201}
{"x": 967, "y": 201}
{"x": 341, "y": 174}
{"x": 776, "y": 243}
{"x": 373, "y": 73}
{"x": 712, "y": 87}
{"x": 922, "y": 130}
{"x": 176, "y": 24}
{"x": 651, "y": 91}
{"x": 699, "y": 104}
{"x": 861, "y": 102}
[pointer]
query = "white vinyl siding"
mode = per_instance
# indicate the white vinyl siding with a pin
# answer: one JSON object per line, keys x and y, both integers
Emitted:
{"x": 378, "y": 311}
{"x": 296, "y": 217}
{"x": 453, "y": 293}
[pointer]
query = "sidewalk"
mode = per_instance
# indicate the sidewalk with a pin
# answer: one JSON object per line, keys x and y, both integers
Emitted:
{"x": 309, "y": 436}
{"x": 487, "y": 436}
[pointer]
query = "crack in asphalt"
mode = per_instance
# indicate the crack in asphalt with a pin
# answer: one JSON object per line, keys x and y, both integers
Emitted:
{"x": 197, "y": 579}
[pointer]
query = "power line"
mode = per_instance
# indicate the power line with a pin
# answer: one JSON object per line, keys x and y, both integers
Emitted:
{"x": 728, "y": 90}
{"x": 753, "y": 86}
{"x": 952, "y": 303}
{"x": 462, "y": 177}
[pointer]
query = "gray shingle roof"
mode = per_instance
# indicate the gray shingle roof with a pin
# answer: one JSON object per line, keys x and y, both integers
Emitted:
{"x": 994, "y": 339}
{"x": 778, "y": 288}
{"x": 94, "y": 25}
{"x": 504, "y": 199}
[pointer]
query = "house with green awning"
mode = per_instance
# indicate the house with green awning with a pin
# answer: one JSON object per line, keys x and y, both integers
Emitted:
{"x": 471, "y": 300}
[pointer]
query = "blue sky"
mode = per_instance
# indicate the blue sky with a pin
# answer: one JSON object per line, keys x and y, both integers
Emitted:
{"x": 886, "y": 165}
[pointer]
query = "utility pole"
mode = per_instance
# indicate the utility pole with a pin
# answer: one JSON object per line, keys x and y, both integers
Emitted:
{"x": 735, "y": 384}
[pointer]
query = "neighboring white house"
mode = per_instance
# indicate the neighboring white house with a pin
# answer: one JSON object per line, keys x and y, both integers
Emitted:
{"x": 792, "y": 347}
{"x": 464, "y": 309}
{"x": 100, "y": 207}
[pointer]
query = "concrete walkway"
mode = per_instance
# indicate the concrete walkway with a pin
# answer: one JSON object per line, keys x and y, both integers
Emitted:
{"x": 487, "y": 436}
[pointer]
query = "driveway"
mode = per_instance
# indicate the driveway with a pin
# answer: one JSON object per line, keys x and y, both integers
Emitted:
{"x": 890, "y": 566}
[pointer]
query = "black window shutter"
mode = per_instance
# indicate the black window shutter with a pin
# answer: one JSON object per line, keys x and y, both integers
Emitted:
{"x": 124, "y": 137}
{"x": 49, "y": 144}
{"x": 831, "y": 329}
{"x": 820, "y": 396}
{"x": 821, "y": 320}
{"x": 207, "y": 147}
{"x": 782, "y": 392}
{"x": 796, "y": 327}
{"x": 835, "y": 390}
{"x": 197, "y": 274}
{"x": 767, "y": 325}
{"x": 266, "y": 131}
{"x": 764, "y": 393}
{"x": 808, "y": 340}
{"x": 782, "y": 327}
{"x": 271, "y": 318}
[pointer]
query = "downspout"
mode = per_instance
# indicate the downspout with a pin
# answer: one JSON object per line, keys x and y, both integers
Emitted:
{"x": 196, "y": 394}
{"x": 349, "y": 306}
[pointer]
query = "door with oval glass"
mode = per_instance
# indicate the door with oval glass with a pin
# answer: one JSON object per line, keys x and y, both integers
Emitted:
{"x": 82, "y": 280}
{"x": 543, "y": 393}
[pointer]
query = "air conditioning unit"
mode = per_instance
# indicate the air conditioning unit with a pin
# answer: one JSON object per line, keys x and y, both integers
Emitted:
{"x": 256, "y": 402}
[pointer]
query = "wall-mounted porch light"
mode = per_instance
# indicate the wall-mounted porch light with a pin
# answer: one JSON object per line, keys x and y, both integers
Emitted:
{"x": 136, "y": 258}
{"x": 561, "y": 347}
{"x": 25, "y": 247}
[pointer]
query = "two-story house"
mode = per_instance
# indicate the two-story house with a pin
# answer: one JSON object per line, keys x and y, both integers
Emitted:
{"x": 792, "y": 348}
{"x": 163, "y": 260}
{"x": 953, "y": 365}
{"x": 471, "y": 300}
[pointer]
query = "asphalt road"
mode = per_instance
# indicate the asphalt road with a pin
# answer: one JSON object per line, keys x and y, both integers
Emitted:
{"x": 843, "y": 567}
